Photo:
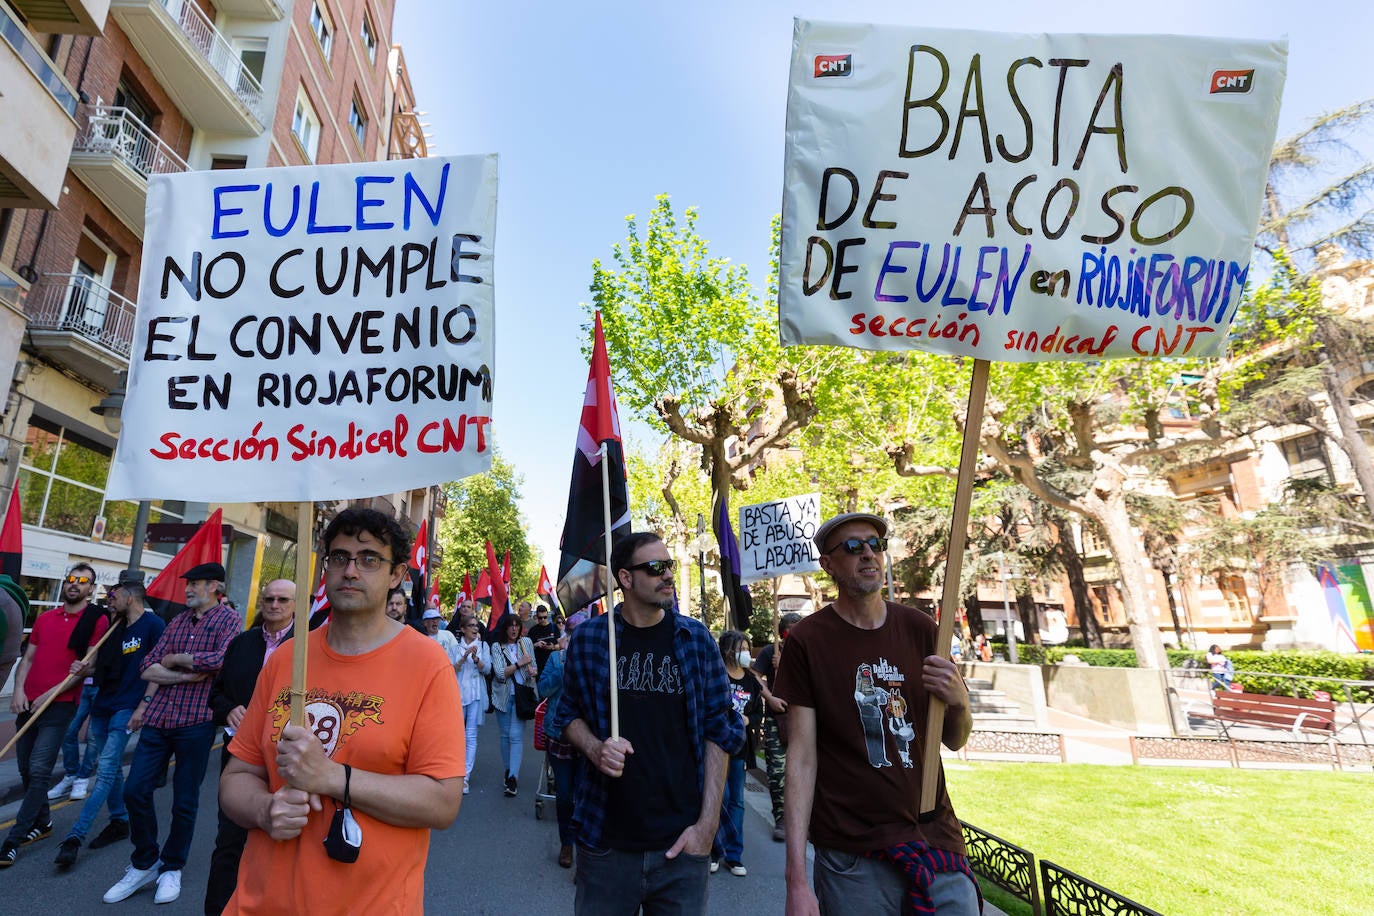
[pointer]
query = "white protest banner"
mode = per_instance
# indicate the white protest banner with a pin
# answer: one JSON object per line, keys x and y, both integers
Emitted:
{"x": 1022, "y": 197}
{"x": 775, "y": 537}
{"x": 312, "y": 333}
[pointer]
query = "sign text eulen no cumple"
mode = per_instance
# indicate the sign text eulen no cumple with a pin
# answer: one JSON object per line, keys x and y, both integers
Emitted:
{"x": 1022, "y": 197}
{"x": 775, "y": 537}
{"x": 312, "y": 333}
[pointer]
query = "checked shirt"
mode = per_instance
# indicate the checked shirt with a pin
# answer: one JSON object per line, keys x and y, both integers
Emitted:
{"x": 179, "y": 705}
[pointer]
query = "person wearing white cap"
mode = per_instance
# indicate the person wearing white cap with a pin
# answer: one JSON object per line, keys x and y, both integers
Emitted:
{"x": 857, "y": 677}
{"x": 433, "y": 623}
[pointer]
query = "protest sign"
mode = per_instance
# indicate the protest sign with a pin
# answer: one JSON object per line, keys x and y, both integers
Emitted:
{"x": 775, "y": 537}
{"x": 312, "y": 333}
{"x": 1022, "y": 197}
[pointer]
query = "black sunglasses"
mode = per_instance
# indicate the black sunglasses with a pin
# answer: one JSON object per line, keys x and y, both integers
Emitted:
{"x": 856, "y": 545}
{"x": 654, "y": 567}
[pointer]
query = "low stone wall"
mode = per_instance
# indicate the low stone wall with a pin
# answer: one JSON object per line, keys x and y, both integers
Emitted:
{"x": 1129, "y": 698}
{"x": 1023, "y": 685}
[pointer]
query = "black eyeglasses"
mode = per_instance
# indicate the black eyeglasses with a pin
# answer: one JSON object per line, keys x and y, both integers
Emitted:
{"x": 856, "y": 545}
{"x": 367, "y": 562}
{"x": 654, "y": 567}
{"x": 273, "y": 599}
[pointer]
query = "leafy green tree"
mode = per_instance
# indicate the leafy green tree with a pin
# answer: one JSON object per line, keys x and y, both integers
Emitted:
{"x": 480, "y": 508}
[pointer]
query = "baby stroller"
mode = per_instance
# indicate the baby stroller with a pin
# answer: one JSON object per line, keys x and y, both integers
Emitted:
{"x": 544, "y": 791}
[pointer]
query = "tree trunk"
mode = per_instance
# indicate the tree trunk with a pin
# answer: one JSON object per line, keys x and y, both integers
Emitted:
{"x": 1078, "y": 588}
{"x": 1030, "y": 617}
{"x": 1352, "y": 443}
{"x": 1131, "y": 561}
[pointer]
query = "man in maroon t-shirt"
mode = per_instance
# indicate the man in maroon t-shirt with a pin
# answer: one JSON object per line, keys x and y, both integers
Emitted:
{"x": 46, "y": 666}
{"x": 857, "y": 676}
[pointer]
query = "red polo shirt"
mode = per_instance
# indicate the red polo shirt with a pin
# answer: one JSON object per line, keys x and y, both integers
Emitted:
{"x": 52, "y": 659}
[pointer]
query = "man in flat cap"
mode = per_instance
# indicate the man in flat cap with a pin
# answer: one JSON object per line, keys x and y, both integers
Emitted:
{"x": 857, "y": 677}
{"x": 177, "y": 722}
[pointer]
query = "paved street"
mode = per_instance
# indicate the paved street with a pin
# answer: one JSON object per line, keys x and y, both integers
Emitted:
{"x": 497, "y": 858}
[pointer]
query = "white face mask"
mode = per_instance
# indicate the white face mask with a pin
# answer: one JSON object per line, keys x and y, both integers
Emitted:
{"x": 744, "y": 658}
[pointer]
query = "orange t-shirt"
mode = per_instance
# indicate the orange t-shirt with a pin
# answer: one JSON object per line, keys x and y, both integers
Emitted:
{"x": 394, "y": 710}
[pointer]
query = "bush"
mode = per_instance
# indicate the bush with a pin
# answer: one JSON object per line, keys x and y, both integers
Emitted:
{"x": 1251, "y": 667}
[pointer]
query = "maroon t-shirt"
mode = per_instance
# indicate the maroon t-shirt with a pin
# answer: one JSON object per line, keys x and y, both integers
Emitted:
{"x": 865, "y": 686}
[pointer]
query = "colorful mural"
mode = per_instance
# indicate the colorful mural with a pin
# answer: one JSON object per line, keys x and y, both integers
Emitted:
{"x": 1348, "y": 605}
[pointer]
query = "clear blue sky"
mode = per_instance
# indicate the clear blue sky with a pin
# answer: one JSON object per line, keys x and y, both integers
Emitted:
{"x": 595, "y": 107}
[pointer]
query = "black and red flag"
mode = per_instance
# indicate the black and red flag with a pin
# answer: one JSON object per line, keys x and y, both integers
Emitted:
{"x": 12, "y": 537}
{"x": 167, "y": 593}
{"x": 581, "y": 573}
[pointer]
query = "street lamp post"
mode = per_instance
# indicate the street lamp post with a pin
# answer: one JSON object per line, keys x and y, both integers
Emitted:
{"x": 111, "y": 411}
{"x": 1006, "y": 608}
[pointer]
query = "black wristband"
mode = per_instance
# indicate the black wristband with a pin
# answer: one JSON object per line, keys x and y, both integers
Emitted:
{"x": 348, "y": 778}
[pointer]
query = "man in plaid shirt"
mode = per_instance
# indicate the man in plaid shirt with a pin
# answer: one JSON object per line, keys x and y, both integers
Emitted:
{"x": 177, "y": 721}
{"x": 645, "y": 811}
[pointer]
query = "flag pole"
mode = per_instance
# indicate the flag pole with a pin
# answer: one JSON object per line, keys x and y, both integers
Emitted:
{"x": 66, "y": 684}
{"x": 610, "y": 593}
{"x": 954, "y": 563}
{"x": 305, "y": 552}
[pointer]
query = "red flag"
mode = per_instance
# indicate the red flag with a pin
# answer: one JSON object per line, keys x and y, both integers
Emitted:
{"x": 583, "y": 547}
{"x": 167, "y": 593}
{"x": 483, "y": 590}
{"x": 419, "y": 554}
{"x": 467, "y": 586}
{"x": 12, "y": 537}
{"x": 500, "y": 600}
{"x": 320, "y": 601}
{"x": 545, "y": 589}
{"x": 434, "y": 594}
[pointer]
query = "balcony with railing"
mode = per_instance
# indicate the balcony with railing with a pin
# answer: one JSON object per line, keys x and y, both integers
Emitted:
{"x": 114, "y": 156}
{"x": 36, "y": 119}
{"x": 82, "y": 324}
{"x": 251, "y": 9}
{"x": 64, "y": 17}
{"x": 195, "y": 63}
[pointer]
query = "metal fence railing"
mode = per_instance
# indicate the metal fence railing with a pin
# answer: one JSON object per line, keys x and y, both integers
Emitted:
{"x": 217, "y": 50}
{"x": 77, "y": 303}
{"x": 118, "y": 132}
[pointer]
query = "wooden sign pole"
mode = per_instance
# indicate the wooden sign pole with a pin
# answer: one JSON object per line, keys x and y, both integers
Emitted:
{"x": 610, "y": 589}
{"x": 954, "y": 564}
{"x": 54, "y": 694}
{"x": 305, "y": 594}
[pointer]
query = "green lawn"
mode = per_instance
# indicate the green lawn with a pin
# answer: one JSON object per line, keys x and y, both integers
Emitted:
{"x": 1212, "y": 842}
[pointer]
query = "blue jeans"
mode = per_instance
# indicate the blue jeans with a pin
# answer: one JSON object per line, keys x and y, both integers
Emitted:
{"x": 729, "y": 843}
{"x": 564, "y": 782}
{"x": 110, "y": 738}
{"x": 614, "y": 883}
{"x": 190, "y": 745}
{"x": 73, "y": 764}
{"x": 36, "y": 752}
{"x": 512, "y": 738}
{"x": 850, "y": 883}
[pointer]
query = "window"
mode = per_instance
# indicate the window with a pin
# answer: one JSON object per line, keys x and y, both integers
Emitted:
{"x": 320, "y": 26}
{"x": 358, "y": 121}
{"x": 1307, "y": 458}
{"x": 252, "y": 54}
{"x": 62, "y": 486}
{"x": 369, "y": 38}
{"x": 1237, "y": 598}
{"x": 305, "y": 126}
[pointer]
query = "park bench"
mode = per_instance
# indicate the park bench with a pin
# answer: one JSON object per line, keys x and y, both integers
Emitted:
{"x": 1295, "y": 714}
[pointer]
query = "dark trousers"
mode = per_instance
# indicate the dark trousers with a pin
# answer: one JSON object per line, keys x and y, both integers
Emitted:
{"x": 190, "y": 745}
{"x": 613, "y": 883}
{"x": 36, "y": 751}
{"x": 564, "y": 781}
{"x": 224, "y": 861}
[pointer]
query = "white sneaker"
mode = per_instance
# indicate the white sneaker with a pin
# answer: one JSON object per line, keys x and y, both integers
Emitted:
{"x": 79, "y": 789}
{"x": 133, "y": 880}
{"x": 64, "y": 785}
{"x": 168, "y": 887}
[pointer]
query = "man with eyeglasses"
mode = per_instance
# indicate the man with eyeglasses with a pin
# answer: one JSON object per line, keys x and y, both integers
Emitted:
{"x": 177, "y": 723}
{"x": 645, "y": 811}
{"x": 230, "y": 694}
{"x": 338, "y": 811}
{"x": 857, "y": 676}
{"x": 57, "y": 647}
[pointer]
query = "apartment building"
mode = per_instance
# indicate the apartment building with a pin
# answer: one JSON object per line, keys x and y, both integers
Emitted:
{"x": 96, "y": 96}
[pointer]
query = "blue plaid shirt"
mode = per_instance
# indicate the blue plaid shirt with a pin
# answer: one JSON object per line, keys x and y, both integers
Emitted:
{"x": 587, "y": 696}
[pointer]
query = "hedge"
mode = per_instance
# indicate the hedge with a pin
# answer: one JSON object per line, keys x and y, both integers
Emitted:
{"x": 1250, "y": 665}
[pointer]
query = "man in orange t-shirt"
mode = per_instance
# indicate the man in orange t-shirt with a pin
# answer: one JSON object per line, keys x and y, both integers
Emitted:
{"x": 381, "y": 703}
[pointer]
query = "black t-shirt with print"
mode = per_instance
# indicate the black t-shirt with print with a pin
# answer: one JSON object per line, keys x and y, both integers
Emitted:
{"x": 656, "y": 798}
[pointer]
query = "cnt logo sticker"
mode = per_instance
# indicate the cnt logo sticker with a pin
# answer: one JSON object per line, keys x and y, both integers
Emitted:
{"x": 1231, "y": 81}
{"x": 834, "y": 65}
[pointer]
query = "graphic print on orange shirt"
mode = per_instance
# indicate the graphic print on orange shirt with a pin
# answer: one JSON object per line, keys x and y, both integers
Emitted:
{"x": 331, "y": 717}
